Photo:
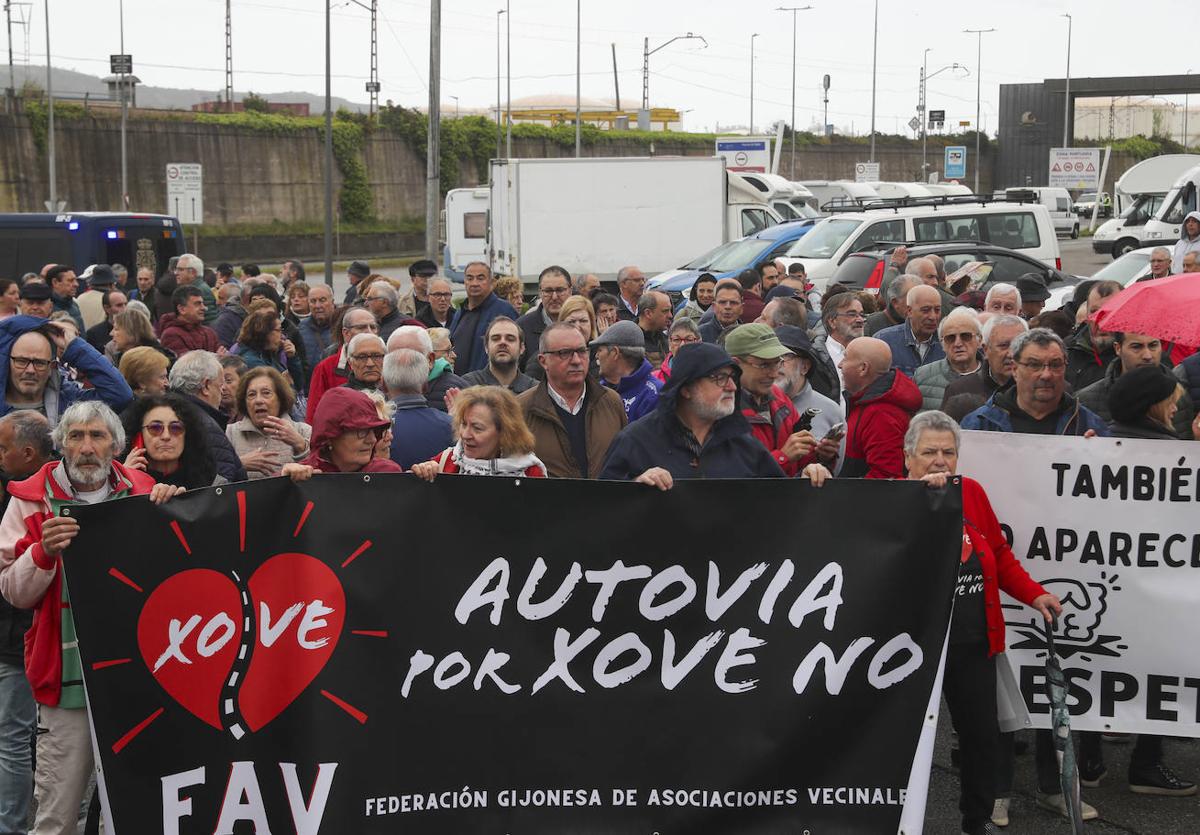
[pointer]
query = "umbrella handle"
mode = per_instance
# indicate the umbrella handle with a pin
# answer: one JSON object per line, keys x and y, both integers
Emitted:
{"x": 1051, "y": 628}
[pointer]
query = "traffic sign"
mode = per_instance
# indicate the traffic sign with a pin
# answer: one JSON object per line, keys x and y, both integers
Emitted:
{"x": 372, "y": 86}
{"x": 937, "y": 117}
{"x": 955, "y": 164}
{"x": 866, "y": 172}
{"x": 1074, "y": 168}
{"x": 914, "y": 123}
{"x": 185, "y": 191}
{"x": 120, "y": 64}
{"x": 746, "y": 153}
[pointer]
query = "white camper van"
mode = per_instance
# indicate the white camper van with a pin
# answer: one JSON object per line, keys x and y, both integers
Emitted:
{"x": 1140, "y": 193}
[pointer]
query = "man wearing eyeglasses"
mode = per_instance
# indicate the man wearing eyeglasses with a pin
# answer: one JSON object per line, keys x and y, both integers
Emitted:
{"x": 364, "y": 356}
{"x": 1038, "y": 404}
{"x": 333, "y": 371}
{"x": 32, "y": 349}
{"x": 960, "y": 335}
{"x": 440, "y": 310}
{"x": 696, "y": 431}
{"x": 844, "y": 321}
{"x": 573, "y": 419}
{"x": 759, "y": 354}
{"x": 554, "y": 288}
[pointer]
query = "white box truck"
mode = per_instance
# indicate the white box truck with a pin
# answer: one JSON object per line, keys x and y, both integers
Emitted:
{"x": 1140, "y": 193}
{"x": 596, "y": 215}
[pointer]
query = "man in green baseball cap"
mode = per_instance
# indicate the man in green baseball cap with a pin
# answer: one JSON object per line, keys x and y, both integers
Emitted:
{"x": 758, "y": 352}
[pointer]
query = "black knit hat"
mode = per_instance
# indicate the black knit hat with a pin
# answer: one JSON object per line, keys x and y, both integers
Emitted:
{"x": 1136, "y": 390}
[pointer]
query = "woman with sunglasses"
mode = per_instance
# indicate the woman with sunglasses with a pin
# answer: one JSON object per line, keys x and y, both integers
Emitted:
{"x": 168, "y": 442}
{"x": 346, "y": 428}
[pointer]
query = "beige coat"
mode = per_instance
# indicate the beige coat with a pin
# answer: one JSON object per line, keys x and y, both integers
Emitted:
{"x": 246, "y": 437}
{"x": 604, "y": 417}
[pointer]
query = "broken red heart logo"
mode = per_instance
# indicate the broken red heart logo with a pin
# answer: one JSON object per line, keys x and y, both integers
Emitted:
{"x": 234, "y": 656}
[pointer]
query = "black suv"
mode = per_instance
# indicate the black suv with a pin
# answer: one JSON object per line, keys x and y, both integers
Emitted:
{"x": 865, "y": 270}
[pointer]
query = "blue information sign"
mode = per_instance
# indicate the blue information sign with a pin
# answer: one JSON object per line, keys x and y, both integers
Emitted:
{"x": 956, "y": 162}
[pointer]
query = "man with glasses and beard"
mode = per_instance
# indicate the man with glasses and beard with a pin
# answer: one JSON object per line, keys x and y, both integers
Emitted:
{"x": 33, "y": 536}
{"x": 696, "y": 431}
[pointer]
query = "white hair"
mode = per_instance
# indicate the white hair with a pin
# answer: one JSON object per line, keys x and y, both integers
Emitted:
{"x": 1002, "y": 290}
{"x": 405, "y": 371}
{"x": 359, "y": 339}
{"x": 931, "y": 421}
{"x": 1004, "y": 320}
{"x": 917, "y": 289}
{"x": 402, "y": 333}
{"x": 190, "y": 371}
{"x": 89, "y": 411}
{"x": 958, "y": 313}
{"x": 189, "y": 261}
{"x": 387, "y": 291}
{"x": 140, "y": 307}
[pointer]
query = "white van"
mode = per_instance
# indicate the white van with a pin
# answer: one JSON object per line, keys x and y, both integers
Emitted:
{"x": 1163, "y": 228}
{"x": 949, "y": 189}
{"x": 781, "y": 194}
{"x": 1025, "y": 227}
{"x": 1057, "y": 202}
{"x": 465, "y": 220}
{"x": 839, "y": 193}
{"x": 893, "y": 191}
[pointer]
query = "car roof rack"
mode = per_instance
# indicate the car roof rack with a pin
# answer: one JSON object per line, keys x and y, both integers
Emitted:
{"x": 841, "y": 205}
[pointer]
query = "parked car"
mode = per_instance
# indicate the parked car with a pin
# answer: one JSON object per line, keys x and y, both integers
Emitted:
{"x": 1057, "y": 202}
{"x": 1026, "y": 227}
{"x": 727, "y": 260}
{"x": 865, "y": 270}
{"x": 1087, "y": 201}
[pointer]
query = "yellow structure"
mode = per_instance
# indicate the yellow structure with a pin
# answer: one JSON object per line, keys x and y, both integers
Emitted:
{"x": 664, "y": 116}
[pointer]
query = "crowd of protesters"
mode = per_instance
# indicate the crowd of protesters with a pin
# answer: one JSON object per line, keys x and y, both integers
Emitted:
{"x": 206, "y": 377}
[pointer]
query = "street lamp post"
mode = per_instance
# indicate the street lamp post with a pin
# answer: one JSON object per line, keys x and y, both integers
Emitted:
{"x": 793, "y": 10}
{"x": 1067, "y": 92}
{"x": 328, "y": 152}
{"x": 647, "y": 52}
{"x": 1185, "y": 116}
{"x": 498, "y": 136}
{"x": 752, "y": 37}
{"x": 874, "y": 58}
{"x": 52, "y": 206}
{"x": 978, "y": 33}
{"x": 508, "y": 80}
{"x": 578, "y": 76}
{"x": 921, "y": 113}
{"x": 122, "y": 79}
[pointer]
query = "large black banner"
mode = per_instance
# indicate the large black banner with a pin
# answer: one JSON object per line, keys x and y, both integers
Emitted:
{"x": 378, "y": 654}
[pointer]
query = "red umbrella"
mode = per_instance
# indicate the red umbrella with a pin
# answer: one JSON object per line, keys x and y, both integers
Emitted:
{"x": 1168, "y": 308}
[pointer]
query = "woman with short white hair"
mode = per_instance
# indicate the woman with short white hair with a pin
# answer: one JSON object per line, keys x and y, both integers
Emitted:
{"x": 986, "y": 564}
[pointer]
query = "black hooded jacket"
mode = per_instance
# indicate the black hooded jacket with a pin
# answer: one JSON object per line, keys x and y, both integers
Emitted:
{"x": 660, "y": 440}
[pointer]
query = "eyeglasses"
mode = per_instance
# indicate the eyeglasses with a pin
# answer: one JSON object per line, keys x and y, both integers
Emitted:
{"x": 363, "y": 434}
{"x": 157, "y": 427}
{"x": 766, "y": 365}
{"x": 683, "y": 340}
{"x": 367, "y": 357}
{"x": 565, "y": 354}
{"x": 440, "y": 295}
{"x": 721, "y": 378}
{"x": 556, "y": 291}
{"x": 957, "y": 337}
{"x": 21, "y": 363}
{"x": 1055, "y": 366}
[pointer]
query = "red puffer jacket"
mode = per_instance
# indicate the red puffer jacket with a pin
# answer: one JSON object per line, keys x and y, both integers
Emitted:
{"x": 773, "y": 434}
{"x": 1001, "y": 569}
{"x": 876, "y": 420}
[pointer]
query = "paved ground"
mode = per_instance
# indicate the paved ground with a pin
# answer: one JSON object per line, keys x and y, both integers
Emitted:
{"x": 1078, "y": 258}
{"x": 1120, "y": 810}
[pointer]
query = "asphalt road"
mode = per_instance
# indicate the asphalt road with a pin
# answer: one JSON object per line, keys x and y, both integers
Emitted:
{"x": 1078, "y": 258}
{"x": 1120, "y": 810}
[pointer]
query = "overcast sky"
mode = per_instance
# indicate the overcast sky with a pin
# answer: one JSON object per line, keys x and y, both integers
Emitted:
{"x": 278, "y": 45}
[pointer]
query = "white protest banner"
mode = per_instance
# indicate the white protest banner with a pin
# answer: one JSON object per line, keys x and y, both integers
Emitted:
{"x": 1110, "y": 526}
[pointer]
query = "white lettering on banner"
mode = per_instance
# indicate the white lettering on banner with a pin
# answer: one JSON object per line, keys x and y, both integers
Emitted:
{"x": 664, "y": 594}
{"x": 243, "y": 800}
{"x": 1109, "y": 527}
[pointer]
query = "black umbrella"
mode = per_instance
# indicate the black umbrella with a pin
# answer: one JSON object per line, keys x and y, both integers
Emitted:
{"x": 1060, "y": 731}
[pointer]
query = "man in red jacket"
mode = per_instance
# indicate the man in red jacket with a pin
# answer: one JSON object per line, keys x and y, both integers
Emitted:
{"x": 880, "y": 401}
{"x": 33, "y": 537}
{"x": 758, "y": 352}
{"x": 986, "y": 565}
{"x": 184, "y": 330}
{"x": 333, "y": 371}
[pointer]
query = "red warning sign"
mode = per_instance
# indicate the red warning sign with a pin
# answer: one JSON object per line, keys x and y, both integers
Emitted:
{"x": 1056, "y": 167}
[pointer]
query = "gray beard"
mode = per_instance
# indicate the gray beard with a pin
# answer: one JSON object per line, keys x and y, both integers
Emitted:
{"x": 81, "y": 478}
{"x": 714, "y": 413}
